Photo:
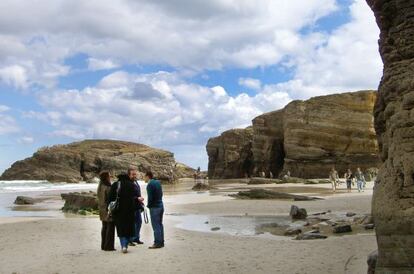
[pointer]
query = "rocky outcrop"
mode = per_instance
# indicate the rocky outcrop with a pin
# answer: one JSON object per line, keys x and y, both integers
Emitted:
{"x": 82, "y": 203}
{"x": 83, "y": 161}
{"x": 267, "y": 146}
{"x": 305, "y": 139}
{"x": 393, "y": 200}
{"x": 230, "y": 154}
{"x": 325, "y": 131}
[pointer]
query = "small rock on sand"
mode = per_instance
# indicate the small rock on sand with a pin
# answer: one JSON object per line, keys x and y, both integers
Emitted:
{"x": 24, "y": 200}
{"x": 311, "y": 235}
{"x": 215, "y": 228}
{"x": 298, "y": 213}
{"x": 342, "y": 229}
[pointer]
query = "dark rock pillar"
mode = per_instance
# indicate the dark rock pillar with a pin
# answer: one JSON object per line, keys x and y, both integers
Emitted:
{"x": 393, "y": 201}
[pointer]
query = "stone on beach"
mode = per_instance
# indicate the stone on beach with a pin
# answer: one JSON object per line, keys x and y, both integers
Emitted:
{"x": 342, "y": 228}
{"x": 80, "y": 202}
{"x": 24, "y": 200}
{"x": 259, "y": 193}
{"x": 200, "y": 186}
{"x": 297, "y": 213}
{"x": 311, "y": 235}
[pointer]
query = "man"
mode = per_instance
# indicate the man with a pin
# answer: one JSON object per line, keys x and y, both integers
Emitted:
{"x": 124, "y": 217}
{"x": 360, "y": 178}
{"x": 334, "y": 178}
{"x": 156, "y": 207}
{"x": 139, "y": 208}
{"x": 348, "y": 178}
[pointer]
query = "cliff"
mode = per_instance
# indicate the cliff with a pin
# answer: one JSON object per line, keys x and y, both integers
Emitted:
{"x": 84, "y": 160}
{"x": 305, "y": 138}
{"x": 393, "y": 199}
{"x": 229, "y": 155}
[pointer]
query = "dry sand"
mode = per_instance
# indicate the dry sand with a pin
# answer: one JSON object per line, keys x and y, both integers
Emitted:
{"x": 72, "y": 245}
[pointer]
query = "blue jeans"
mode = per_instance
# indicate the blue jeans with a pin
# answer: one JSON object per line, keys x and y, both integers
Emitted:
{"x": 138, "y": 224}
{"x": 156, "y": 214}
{"x": 124, "y": 242}
{"x": 360, "y": 185}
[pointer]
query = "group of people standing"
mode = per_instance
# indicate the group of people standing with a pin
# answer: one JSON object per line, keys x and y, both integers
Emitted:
{"x": 349, "y": 177}
{"x": 128, "y": 217}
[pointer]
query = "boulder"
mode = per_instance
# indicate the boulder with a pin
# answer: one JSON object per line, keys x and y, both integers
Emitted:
{"x": 350, "y": 214}
{"x": 372, "y": 261}
{"x": 259, "y": 193}
{"x": 24, "y": 200}
{"x": 342, "y": 229}
{"x": 80, "y": 202}
{"x": 83, "y": 161}
{"x": 311, "y": 235}
{"x": 393, "y": 198}
{"x": 199, "y": 186}
{"x": 230, "y": 155}
{"x": 291, "y": 231}
{"x": 298, "y": 213}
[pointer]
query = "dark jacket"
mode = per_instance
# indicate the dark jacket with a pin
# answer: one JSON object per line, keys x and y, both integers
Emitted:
{"x": 154, "y": 191}
{"x": 125, "y": 217}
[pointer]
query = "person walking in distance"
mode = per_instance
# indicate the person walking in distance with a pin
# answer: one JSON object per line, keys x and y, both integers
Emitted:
{"x": 156, "y": 208}
{"x": 348, "y": 178}
{"x": 360, "y": 178}
{"x": 333, "y": 177}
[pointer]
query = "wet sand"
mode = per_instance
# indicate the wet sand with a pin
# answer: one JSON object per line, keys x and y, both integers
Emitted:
{"x": 71, "y": 245}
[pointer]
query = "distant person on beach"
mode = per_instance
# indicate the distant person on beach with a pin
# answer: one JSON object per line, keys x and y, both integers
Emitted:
{"x": 360, "y": 178}
{"x": 139, "y": 202}
{"x": 333, "y": 177}
{"x": 125, "y": 215}
{"x": 348, "y": 178}
{"x": 108, "y": 226}
{"x": 156, "y": 207}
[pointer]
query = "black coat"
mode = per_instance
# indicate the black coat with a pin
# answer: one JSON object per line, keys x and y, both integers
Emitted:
{"x": 125, "y": 216}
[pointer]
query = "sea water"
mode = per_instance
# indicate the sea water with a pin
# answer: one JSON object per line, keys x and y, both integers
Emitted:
{"x": 9, "y": 190}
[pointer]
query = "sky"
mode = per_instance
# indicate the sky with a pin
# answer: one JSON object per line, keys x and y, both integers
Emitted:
{"x": 170, "y": 73}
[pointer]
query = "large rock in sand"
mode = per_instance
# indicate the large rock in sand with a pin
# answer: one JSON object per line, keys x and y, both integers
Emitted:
{"x": 83, "y": 161}
{"x": 393, "y": 199}
{"x": 230, "y": 155}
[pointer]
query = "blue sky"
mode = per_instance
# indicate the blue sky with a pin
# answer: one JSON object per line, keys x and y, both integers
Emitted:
{"x": 171, "y": 84}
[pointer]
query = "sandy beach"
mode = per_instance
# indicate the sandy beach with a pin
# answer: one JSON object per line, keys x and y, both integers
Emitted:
{"x": 71, "y": 244}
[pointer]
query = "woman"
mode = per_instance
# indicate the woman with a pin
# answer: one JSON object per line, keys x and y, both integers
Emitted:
{"x": 348, "y": 179}
{"x": 124, "y": 217}
{"x": 108, "y": 226}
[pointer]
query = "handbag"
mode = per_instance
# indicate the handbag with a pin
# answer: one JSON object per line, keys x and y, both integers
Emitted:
{"x": 113, "y": 206}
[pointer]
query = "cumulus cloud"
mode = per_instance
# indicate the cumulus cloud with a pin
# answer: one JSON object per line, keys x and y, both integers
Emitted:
{"x": 159, "y": 109}
{"x": 99, "y": 64}
{"x": 14, "y": 75}
{"x": 250, "y": 83}
{"x": 194, "y": 35}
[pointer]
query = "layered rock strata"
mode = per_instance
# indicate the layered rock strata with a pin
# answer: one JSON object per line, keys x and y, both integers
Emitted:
{"x": 393, "y": 200}
{"x": 305, "y": 139}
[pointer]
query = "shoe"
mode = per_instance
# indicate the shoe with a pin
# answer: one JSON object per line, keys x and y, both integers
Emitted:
{"x": 131, "y": 244}
{"x": 138, "y": 242}
{"x": 156, "y": 246}
{"x": 110, "y": 249}
{"x": 124, "y": 250}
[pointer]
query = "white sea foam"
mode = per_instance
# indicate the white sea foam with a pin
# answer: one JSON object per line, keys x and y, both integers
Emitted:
{"x": 33, "y": 186}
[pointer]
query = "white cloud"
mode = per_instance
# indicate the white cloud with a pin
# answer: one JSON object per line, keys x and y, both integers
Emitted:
{"x": 25, "y": 140}
{"x": 346, "y": 60}
{"x": 250, "y": 83}
{"x": 159, "y": 109}
{"x": 194, "y": 35}
{"x": 14, "y": 75}
{"x": 99, "y": 64}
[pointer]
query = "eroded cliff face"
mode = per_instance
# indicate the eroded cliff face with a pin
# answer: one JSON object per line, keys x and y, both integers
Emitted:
{"x": 230, "y": 155}
{"x": 393, "y": 200}
{"x": 306, "y": 138}
{"x": 267, "y": 147}
{"x": 84, "y": 160}
{"x": 325, "y": 131}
